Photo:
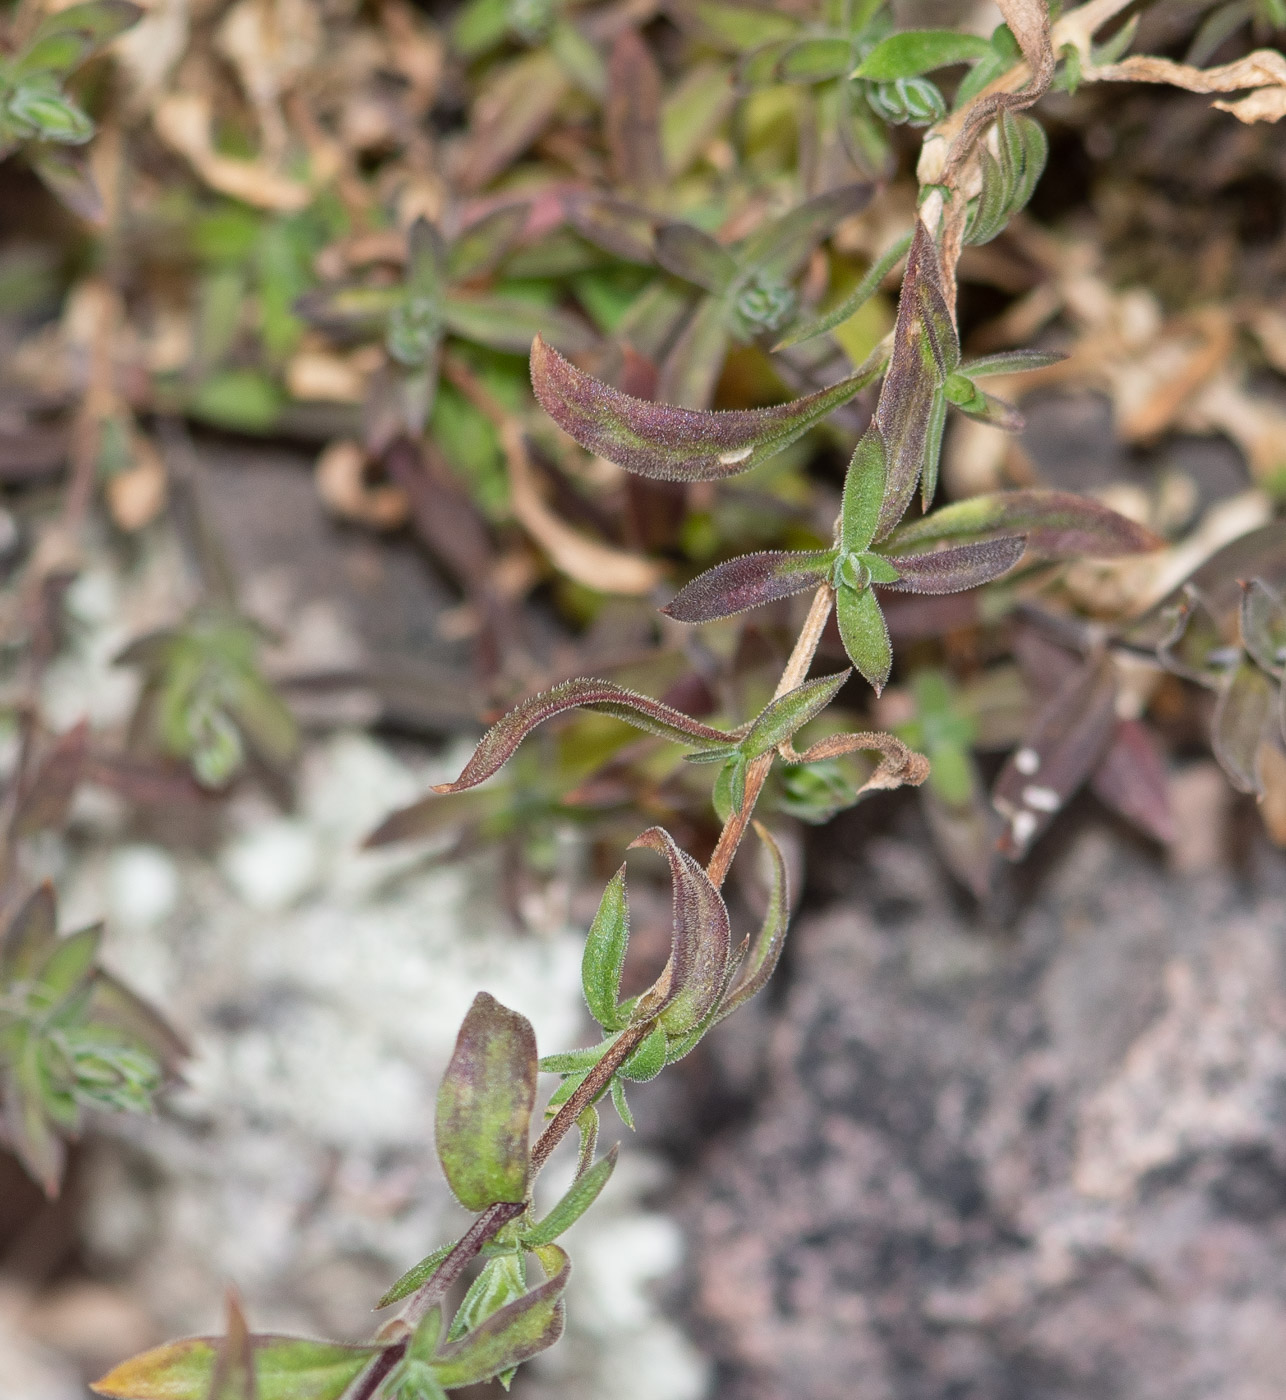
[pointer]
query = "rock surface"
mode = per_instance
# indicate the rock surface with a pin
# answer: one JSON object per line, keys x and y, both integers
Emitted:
{"x": 1049, "y": 1162}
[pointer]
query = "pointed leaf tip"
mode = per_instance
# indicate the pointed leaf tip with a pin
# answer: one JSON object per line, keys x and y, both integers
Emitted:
{"x": 668, "y": 443}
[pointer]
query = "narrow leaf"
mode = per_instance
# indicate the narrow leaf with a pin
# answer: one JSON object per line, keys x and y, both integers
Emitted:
{"x": 779, "y": 720}
{"x": 781, "y": 247}
{"x": 956, "y": 568}
{"x": 604, "y": 955}
{"x": 747, "y": 582}
{"x": 865, "y": 634}
{"x": 1131, "y": 779}
{"x": 1246, "y": 708}
{"x": 864, "y": 487}
{"x": 814, "y": 60}
{"x": 925, "y": 352}
{"x": 853, "y": 302}
{"x": 765, "y": 952}
{"x": 510, "y": 1336}
{"x": 511, "y": 323}
{"x": 582, "y": 1194}
{"x": 234, "y": 1371}
{"x": 1263, "y": 625}
{"x": 485, "y": 1104}
{"x": 621, "y": 1104}
{"x": 481, "y": 247}
{"x": 31, "y": 931}
{"x": 701, "y": 936}
{"x": 500, "y": 741}
{"x": 669, "y": 443}
{"x": 286, "y": 1368}
{"x": 696, "y": 257}
{"x": 1058, "y": 525}
{"x": 415, "y": 1278}
{"x": 1010, "y": 362}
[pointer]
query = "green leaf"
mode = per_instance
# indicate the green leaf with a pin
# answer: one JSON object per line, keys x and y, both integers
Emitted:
{"x": 102, "y": 20}
{"x": 286, "y": 1368}
{"x": 856, "y": 299}
{"x": 511, "y": 1335}
{"x": 741, "y": 28}
{"x": 500, "y": 1281}
{"x": 1263, "y": 625}
{"x": 701, "y": 937}
{"x": 782, "y": 246}
{"x": 668, "y": 443}
{"x": 485, "y": 1104}
{"x": 865, "y": 634}
{"x": 241, "y": 399}
{"x": 1057, "y": 524}
{"x": 864, "y": 487}
{"x": 729, "y": 788}
{"x": 50, "y": 115}
{"x": 620, "y": 1104}
{"x": 917, "y": 51}
{"x": 69, "y": 964}
{"x": 582, "y": 1194}
{"x": 779, "y": 720}
{"x": 933, "y": 449}
{"x": 415, "y": 1278}
{"x": 648, "y": 1060}
{"x": 31, "y": 931}
{"x": 1010, "y": 362}
{"x": 604, "y": 955}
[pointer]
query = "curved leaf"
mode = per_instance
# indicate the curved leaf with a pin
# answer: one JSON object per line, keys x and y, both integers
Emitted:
{"x": 669, "y": 443}
{"x": 511, "y": 323}
{"x": 925, "y": 351}
{"x": 956, "y": 568}
{"x": 1058, "y": 525}
{"x": 484, "y": 1106}
{"x": 765, "y": 952}
{"x": 782, "y": 246}
{"x": 747, "y": 582}
{"x": 510, "y": 1335}
{"x": 853, "y": 302}
{"x": 1247, "y": 707}
{"x": 689, "y": 253}
{"x": 500, "y": 741}
{"x": 415, "y": 1277}
{"x": 1010, "y": 362}
{"x": 701, "y": 938}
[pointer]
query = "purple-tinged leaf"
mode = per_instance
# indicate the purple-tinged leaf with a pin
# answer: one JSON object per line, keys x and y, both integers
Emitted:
{"x": 28, "y": 1131}
{"x": 1263, "y": 625}
{"x": 500, "y": 741}
{"x": 780, "y": 248}
{"x": 632, "y": 114}
{"x": 864, "y": 486}
{"x": 234, "y": 1368}
{"x": 1067, "y": 739}
{"x": 933, "y": 450}
{"x": 747, "y": 582}
{"x": 1246, "y": 710}
{"x": 925, "y": 351}
{"x": 485, "y": 1104}
{"x": 1010, "y": 362}
{"x": 514, "y": 105}
{"x": 669, "y": 443}
{"x": 689, "y": 253}
{"x": 614, "y": 225}
{"x": 1131, "y": 779}
{"x": 1058, "y": 525}
{"x": 865, "y": 634}
{"x": 957, "y": 567}
{"x": 765, "y": 951}
{"x": 701, "y": 940}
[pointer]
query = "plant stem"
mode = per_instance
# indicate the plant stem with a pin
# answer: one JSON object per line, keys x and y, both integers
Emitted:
{"x": 597, "y": 1081}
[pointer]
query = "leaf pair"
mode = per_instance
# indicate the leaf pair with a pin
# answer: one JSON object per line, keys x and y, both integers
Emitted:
{"x": 1009, "y": 179}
